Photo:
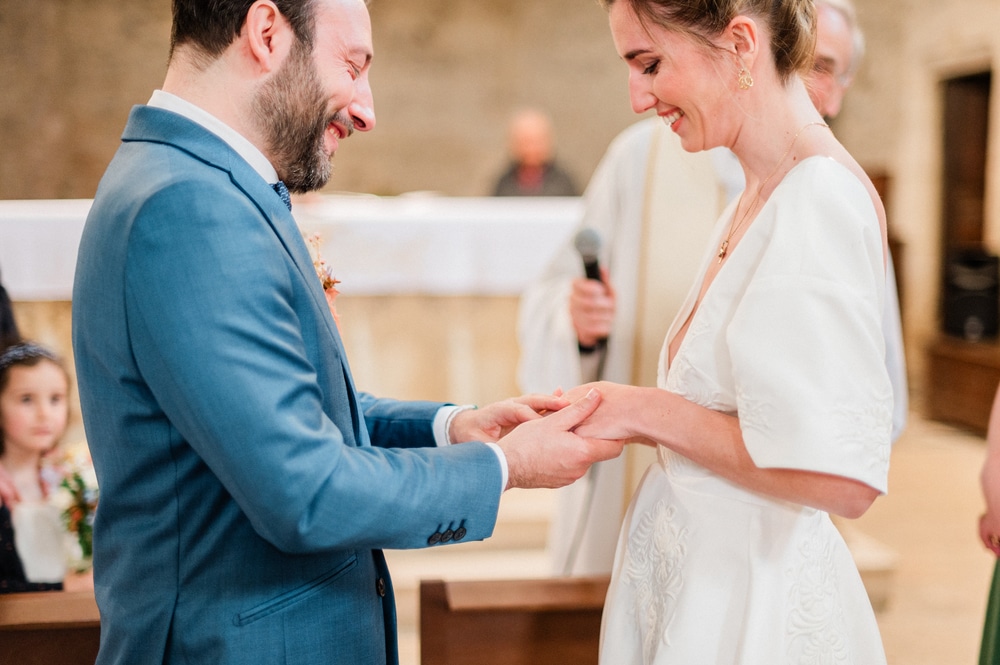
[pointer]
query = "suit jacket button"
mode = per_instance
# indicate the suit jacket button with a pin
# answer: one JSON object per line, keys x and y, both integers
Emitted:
{"x": 380, "y": 587}
{"x": 460, "y": 533}
{"x": 447, "y": 536}
{"x": 434, "y": 539}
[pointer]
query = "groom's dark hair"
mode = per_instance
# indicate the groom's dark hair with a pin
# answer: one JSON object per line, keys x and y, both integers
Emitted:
{"x": 212, "y": 25}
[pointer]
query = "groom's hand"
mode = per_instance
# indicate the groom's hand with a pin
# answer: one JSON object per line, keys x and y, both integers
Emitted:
{"x": 496, "y": 420}
{"x": 546, "y": 453}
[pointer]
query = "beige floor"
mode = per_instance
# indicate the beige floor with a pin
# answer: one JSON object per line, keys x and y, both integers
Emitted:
{"x": 936, "y": 594}
{"x": 930, "y": 517}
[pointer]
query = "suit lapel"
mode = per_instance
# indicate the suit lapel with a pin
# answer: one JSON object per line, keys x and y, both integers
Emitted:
{"x": 162, "y": 126}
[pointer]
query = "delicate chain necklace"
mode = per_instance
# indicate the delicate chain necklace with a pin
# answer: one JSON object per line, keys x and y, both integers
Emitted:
{"x": 734, "y": 225}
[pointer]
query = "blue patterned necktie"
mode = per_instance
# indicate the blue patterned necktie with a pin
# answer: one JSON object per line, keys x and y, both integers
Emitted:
{"x": 282, "y": 191}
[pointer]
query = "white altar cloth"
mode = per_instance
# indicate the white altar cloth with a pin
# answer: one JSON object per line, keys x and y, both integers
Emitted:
{"x": 410, "y": 244}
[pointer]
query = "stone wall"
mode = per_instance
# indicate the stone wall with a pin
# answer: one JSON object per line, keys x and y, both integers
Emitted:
{"x": 447, "y": 74}
{"x": 71, "y": 70}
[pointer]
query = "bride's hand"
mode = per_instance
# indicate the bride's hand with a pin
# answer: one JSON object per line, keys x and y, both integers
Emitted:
{"x": 615, "y": 417}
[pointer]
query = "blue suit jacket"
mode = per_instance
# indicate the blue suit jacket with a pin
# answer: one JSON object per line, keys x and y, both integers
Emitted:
{"x": 246, "y": 487}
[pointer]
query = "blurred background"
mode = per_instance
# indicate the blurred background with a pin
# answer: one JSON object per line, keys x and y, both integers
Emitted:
{"x": 922, "y": 117}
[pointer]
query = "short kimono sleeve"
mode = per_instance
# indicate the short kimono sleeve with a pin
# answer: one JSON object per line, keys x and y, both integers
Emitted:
{"x": 806, "y": 343}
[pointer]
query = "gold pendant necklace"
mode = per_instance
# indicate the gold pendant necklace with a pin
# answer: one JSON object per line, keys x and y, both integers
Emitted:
{"x": 734, "y": 225}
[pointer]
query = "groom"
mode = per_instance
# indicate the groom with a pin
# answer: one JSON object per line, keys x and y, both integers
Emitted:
{"x": 246, "y": 487}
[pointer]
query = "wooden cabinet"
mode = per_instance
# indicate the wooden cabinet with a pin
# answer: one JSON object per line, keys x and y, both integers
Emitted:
{"x": 963, "y": 380}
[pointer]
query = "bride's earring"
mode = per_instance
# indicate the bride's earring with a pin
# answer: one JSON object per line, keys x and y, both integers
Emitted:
{"x": 746, "y": 81}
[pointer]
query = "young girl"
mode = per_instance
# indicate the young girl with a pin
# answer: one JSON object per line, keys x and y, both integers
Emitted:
{"x": 33, "y": 415}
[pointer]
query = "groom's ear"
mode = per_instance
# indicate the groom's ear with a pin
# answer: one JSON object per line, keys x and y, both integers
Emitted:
{"x": 266, "y": 38}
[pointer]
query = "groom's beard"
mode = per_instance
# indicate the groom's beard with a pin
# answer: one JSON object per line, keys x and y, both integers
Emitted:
{"x": 292, "y": 111}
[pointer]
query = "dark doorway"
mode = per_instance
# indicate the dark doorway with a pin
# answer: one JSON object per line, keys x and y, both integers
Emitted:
{"x": 964, "y": 367}
{"x": 970, "y": 297}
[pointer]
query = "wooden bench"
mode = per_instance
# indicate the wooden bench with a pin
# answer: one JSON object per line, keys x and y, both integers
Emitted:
{"x": 511, "y": 622}
{"x": 49, "y": 628}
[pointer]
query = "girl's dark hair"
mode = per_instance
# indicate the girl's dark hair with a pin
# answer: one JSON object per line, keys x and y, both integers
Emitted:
{"x": 24, "y": 354}
{"x": 792, "y": 23}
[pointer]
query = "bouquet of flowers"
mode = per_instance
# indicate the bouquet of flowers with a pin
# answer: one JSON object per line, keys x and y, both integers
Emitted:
{"x": 70, "y": 475}
{"x": 324, "y": 272}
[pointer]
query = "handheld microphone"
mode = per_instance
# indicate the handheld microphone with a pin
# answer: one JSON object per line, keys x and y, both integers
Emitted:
{"x": 588, "y": 244}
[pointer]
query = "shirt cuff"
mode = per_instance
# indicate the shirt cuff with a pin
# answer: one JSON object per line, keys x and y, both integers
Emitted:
{"x": 442, "y": 425}
{"x": 442, "y": 422}
{"x": 504, "y": 473}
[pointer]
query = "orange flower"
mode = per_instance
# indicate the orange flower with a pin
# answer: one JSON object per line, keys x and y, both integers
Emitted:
{"x": 325, "y": 274}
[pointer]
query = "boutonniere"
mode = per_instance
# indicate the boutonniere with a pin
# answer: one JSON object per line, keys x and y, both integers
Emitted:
{"x": 325, "y": 273}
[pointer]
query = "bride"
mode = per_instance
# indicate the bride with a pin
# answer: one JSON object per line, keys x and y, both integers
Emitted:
{"x": 773, "y": 406}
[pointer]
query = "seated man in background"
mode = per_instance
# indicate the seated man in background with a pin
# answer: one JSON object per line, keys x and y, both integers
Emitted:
{"x": 533, "y": 170}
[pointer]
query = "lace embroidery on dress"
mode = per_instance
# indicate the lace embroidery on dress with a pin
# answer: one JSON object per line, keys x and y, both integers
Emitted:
{"x": 689, "y": 381}
{"x": 754, "y": 414}
{"x": 686, "y": 380}
{"x": 867, "y": 425}
{"x": 654, "y": 560}
{"x": 815, "y": 627}
{"x": 870, "y": 425}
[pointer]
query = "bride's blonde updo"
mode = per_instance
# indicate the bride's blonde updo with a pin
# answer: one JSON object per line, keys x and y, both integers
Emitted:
{"x": 792, "y": 23}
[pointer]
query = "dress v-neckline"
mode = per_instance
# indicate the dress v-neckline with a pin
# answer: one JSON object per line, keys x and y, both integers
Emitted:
{"x": 693, "y": 303}
{"x": 695, "y": 299}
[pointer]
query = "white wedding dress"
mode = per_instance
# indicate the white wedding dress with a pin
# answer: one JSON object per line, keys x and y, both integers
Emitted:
{"x": 787, "y": 337}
